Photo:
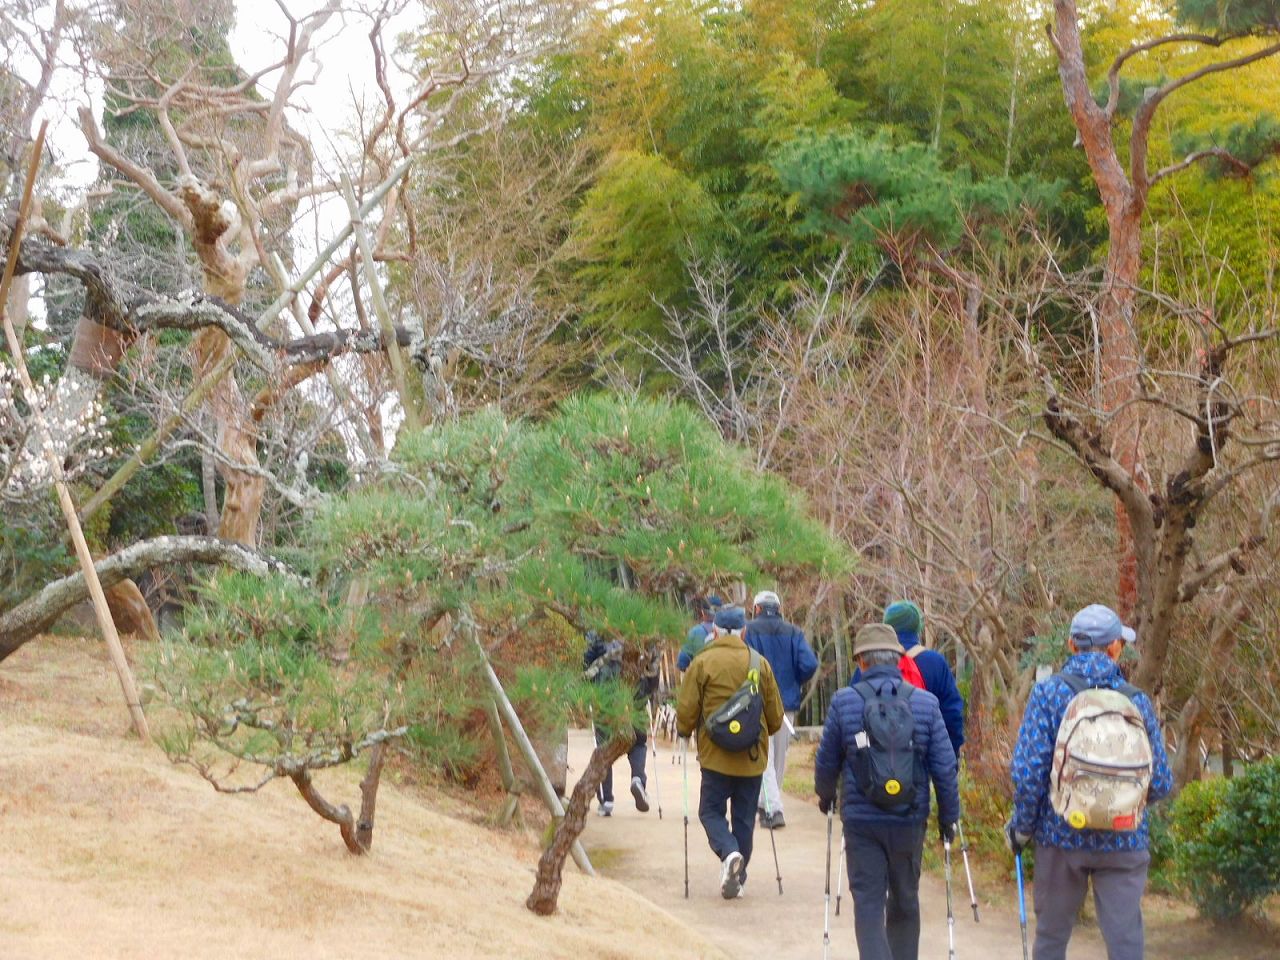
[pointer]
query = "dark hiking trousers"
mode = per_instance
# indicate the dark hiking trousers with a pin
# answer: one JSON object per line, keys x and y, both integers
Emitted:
{"x": 884, "y": 879}
{"x": 635, "y": 757}
{"x": 740, "y": 795}
{"x": 1062, "y": 878}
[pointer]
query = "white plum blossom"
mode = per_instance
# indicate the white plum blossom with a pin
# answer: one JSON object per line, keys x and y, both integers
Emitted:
{"x": 79, "y": 442}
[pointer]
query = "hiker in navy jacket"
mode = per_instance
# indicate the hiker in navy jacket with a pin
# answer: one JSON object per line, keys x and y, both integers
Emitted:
{"x": 793, "y": 664}
{"x": 907, "y": 621}
{"x": 602, "y": 663}
{"x": 883, "y": 847}
{"x": 1066, "y": 858}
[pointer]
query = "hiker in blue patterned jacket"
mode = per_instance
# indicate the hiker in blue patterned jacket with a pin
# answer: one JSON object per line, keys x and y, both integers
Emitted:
{"x": 789, "y": 654}
{"x": 1088, "y": 826}
{"x": 886, "y": 740}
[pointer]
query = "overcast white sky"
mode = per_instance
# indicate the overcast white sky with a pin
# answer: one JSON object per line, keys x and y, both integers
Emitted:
{"x": 341, "y": 75}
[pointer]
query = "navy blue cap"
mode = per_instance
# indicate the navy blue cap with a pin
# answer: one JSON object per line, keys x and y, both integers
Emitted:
{"x": 731, "y": 618}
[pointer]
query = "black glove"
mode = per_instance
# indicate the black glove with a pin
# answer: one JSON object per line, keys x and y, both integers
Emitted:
{"x": 947, "y": 832}
{"x": 1014, "y": 840}
{"x": 825, "y": 804}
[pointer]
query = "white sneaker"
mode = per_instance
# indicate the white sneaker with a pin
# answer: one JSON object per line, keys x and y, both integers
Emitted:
{"x": 742, "y": 889}
{"x": 606, "y": 808}
{"x": 642, "y": 798}
{"x": 730, "y": 879}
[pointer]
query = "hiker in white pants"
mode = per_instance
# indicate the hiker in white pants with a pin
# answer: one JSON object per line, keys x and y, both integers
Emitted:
{"x": 771, "y": 785}
{"x": 793, "y": 663}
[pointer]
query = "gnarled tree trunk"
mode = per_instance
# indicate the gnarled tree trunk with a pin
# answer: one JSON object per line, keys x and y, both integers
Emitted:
{"x": 546, "y": 889}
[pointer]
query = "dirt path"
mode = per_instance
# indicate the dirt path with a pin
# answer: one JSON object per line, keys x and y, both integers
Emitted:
{"x": 646, "y": 854}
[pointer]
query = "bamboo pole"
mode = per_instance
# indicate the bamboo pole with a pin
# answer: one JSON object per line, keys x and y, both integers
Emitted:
{"x": 100, "y": 609}
{"x": 530, "y": 755}
{"x": 411, "y": 418}
{"x": 511, "y": 804}
{"x": 206, "y": 386}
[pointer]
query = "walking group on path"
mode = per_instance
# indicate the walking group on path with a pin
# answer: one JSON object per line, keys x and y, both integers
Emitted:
{"x": 1088, "y": 761}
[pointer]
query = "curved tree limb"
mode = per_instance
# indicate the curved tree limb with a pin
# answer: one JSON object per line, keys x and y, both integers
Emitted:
{"x": 1238, "y": 167}
{"x": 132, "y": 311}
{"x": 1113, "y": 75}
{"x": 1146, "y": 112}
{"x": 38, "y": 612}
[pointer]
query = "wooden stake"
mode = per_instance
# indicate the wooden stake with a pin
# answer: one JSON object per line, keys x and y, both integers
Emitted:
{"x": 100, "y": 609}
{"x": 541, "y": 780}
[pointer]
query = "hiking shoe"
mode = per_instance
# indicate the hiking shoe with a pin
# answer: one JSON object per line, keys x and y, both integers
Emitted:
{"x": 606, "y": 808}
{"x": 731, "y": 876}
{"x": 742, "y": 889}
{"x": 777, "y": 821}
{"x": 642, "y": 798}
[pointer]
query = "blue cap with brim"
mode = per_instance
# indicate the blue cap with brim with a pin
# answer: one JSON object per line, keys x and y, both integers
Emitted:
{"x": 731, "y": 618}
{"x": 1099, "y": 626}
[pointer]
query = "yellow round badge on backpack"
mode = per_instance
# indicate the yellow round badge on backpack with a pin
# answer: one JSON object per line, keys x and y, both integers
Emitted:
{"x": 892, "y": 787}
{"x": 735, "y": 726}
{"x": 1077, "y": 819}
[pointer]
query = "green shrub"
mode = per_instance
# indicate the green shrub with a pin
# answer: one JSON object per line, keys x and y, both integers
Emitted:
{"x": 1227, "y": 836}
{"x": 1162, "y": 875}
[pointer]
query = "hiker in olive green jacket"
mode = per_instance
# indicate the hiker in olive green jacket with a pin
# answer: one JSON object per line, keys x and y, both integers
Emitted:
{"x": 729, "y": 779}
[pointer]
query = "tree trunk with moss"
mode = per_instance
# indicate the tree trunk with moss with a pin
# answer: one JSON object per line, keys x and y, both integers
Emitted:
{"x": 546, "y": 889}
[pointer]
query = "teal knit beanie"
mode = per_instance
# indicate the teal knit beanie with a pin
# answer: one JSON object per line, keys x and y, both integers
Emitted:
{"x": 904, "y": 616}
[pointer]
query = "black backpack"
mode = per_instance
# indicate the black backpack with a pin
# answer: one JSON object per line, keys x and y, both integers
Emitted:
{"x": 735, "y": 725}
{"x": 884, "y": 763}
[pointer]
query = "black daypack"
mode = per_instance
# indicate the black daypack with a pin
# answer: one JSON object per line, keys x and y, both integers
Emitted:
{"x": 885, "y": 759}
{"x": 735, "y": 725}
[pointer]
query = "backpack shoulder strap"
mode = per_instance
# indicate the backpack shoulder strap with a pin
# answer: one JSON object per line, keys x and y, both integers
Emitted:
{"x": 915, "y": 651}
{"x": 1077, "y": 683}
{"x": 1129, "y": 690}
{"x": 865, "y": 690}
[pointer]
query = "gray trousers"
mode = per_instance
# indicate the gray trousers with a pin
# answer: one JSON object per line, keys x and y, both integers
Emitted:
{"x": 884, "y": 880}
{"x": 1062, "y": 879}
{"x": 771, "y": 791}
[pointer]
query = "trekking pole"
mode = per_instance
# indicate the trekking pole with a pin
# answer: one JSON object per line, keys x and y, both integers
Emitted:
{"x": 684, "y": 769}
{"x": 840, "y": 872}
{"x": 968, "y": 875}
{"x": 768, "y": 812}
{"x": 951, "y": 917}
{"x": 826, "y": 905}
{"x": 1022, "y": 904}
{"x": 653, "y": 742}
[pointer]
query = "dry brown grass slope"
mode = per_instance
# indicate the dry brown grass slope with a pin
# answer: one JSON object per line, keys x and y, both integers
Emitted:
{"x": 109, "y": 851}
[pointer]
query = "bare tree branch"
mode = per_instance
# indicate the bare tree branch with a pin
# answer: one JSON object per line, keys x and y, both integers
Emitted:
{"x": 37, "y": 613}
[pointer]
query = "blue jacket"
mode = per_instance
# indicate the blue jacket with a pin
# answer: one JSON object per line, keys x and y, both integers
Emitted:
{"x": 784, "y": 646}
{"x": 697, "y": 637}
{"x": 934, "y": 757}
{"x": 1033, "y": 756}
{"x": 941, "y": 682}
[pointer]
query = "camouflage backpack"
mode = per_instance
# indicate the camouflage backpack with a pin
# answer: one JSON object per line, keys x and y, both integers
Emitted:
{"x": 1102, "y": 760}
